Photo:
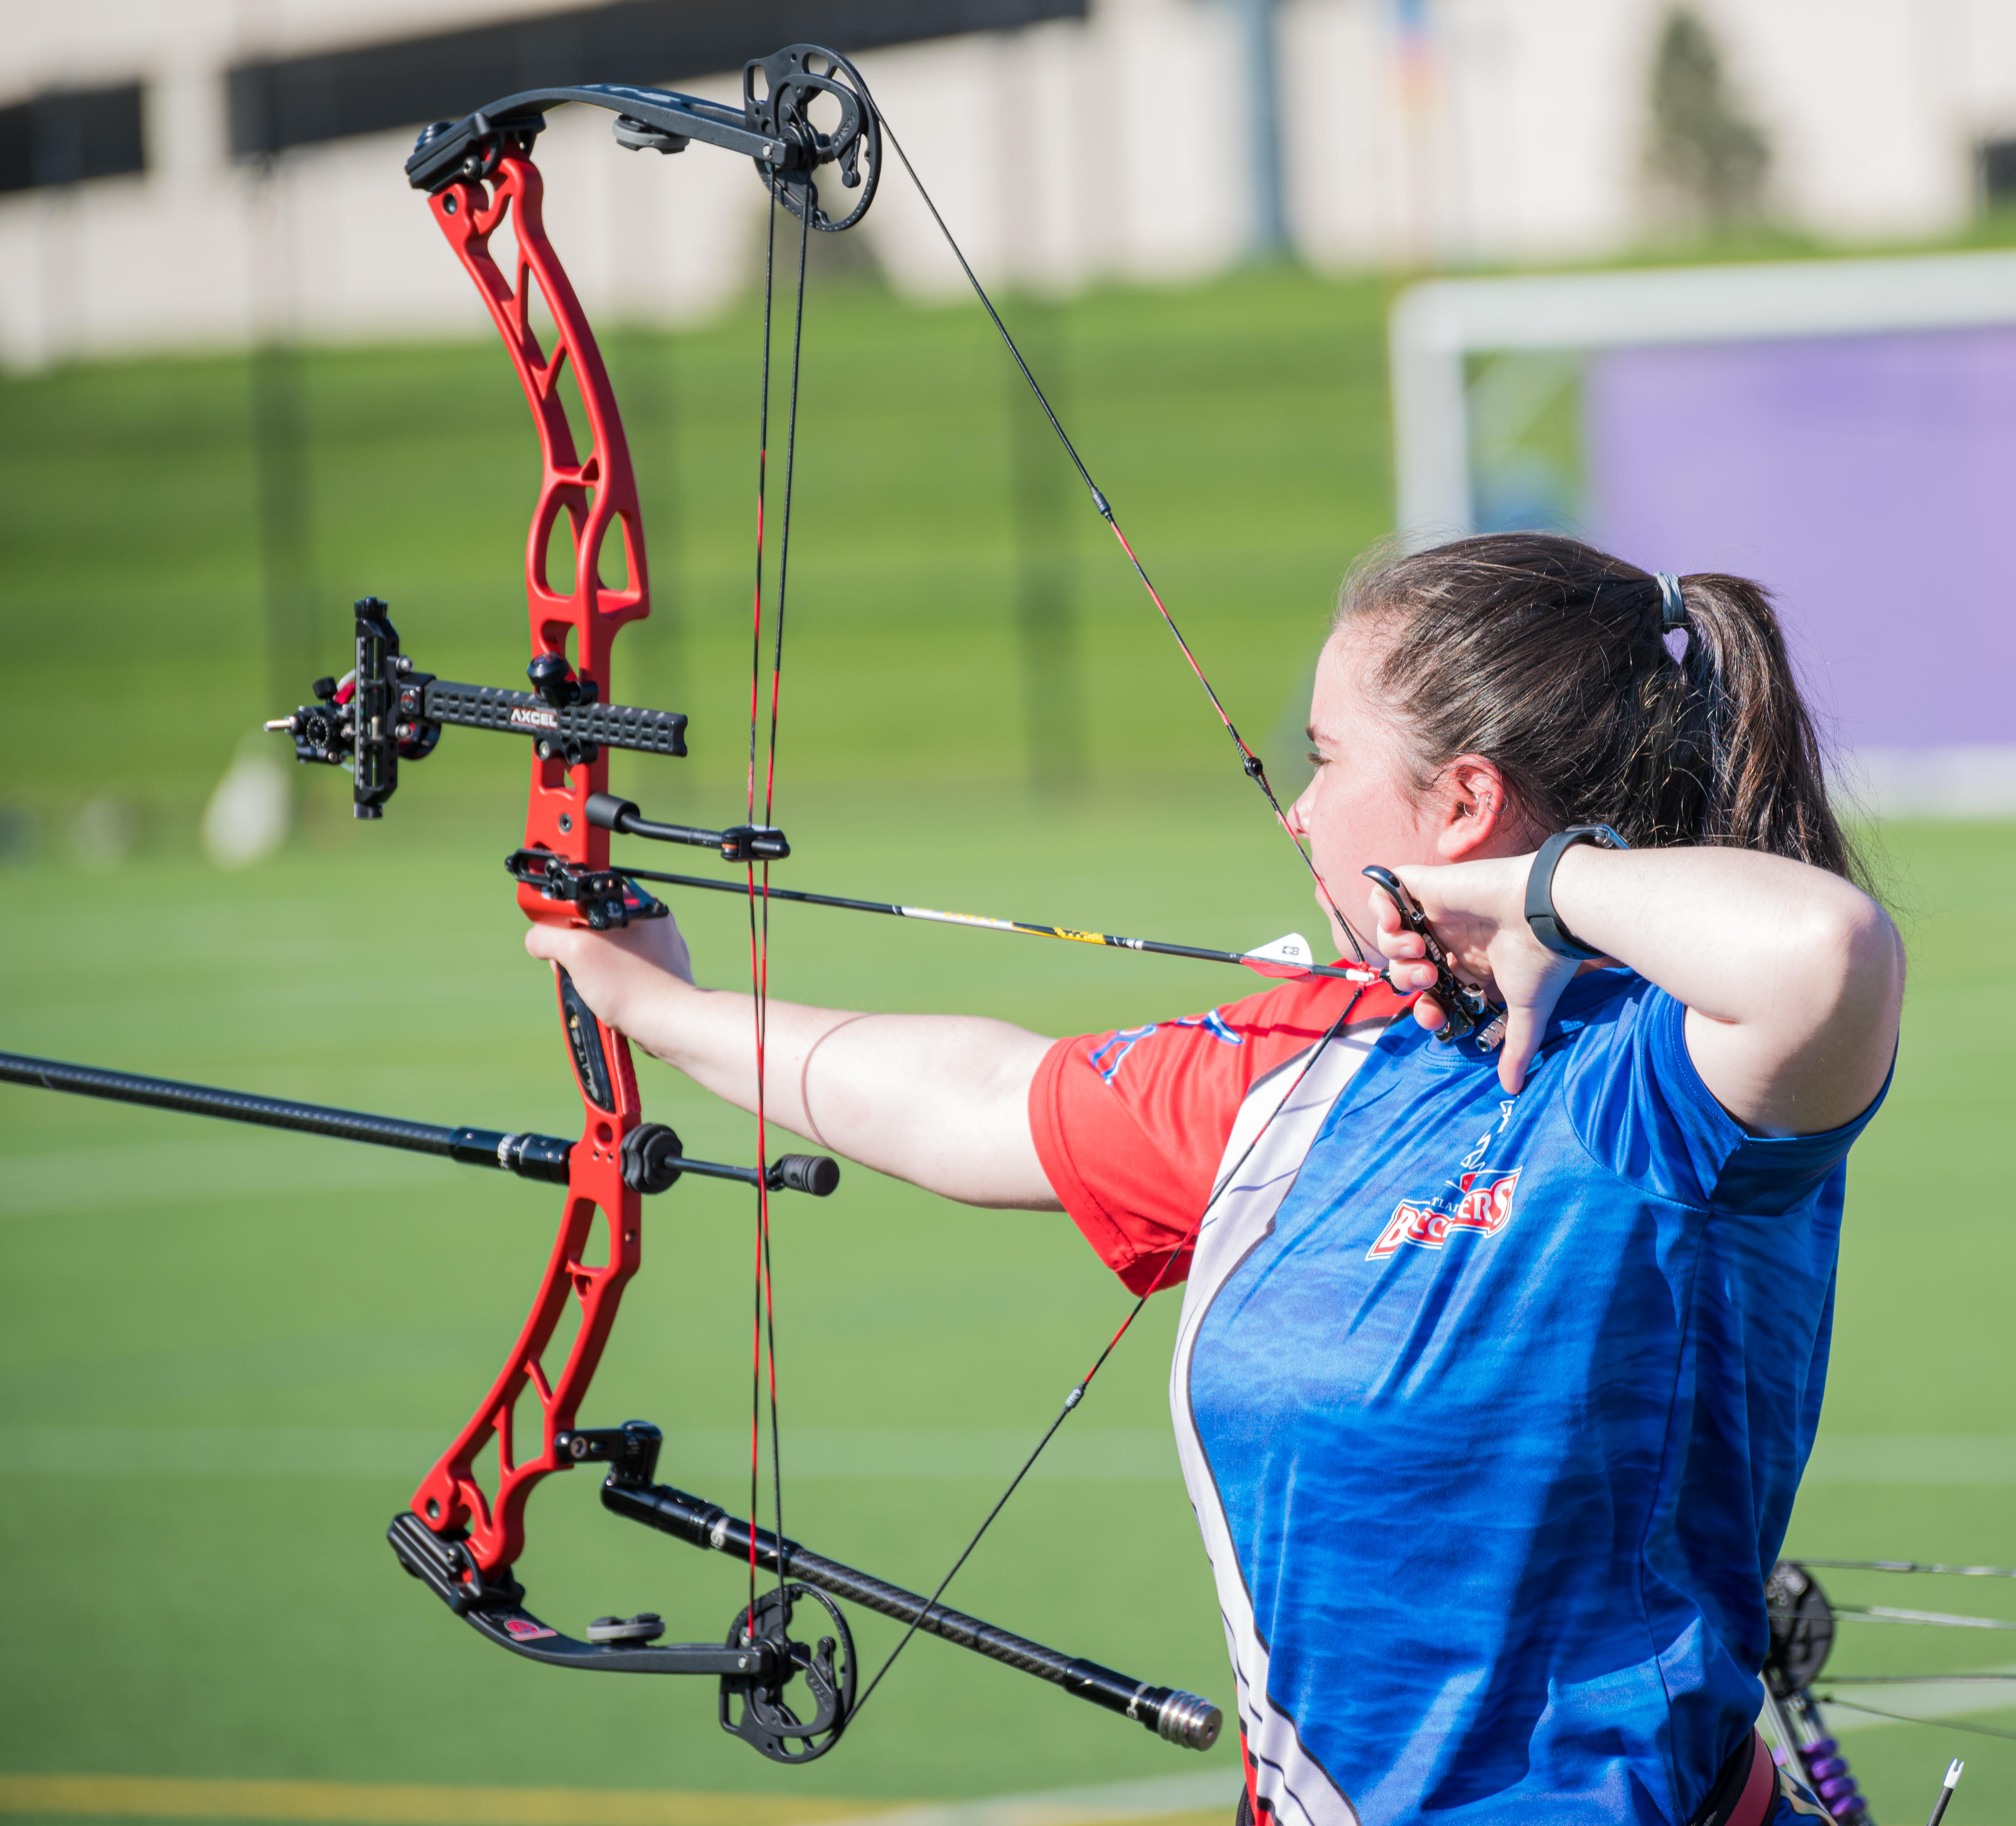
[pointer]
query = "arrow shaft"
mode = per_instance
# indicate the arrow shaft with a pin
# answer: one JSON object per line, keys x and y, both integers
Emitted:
{"x": 983, "y": 922}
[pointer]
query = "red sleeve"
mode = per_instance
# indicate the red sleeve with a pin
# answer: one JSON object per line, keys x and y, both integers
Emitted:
{"x": 1131, "y": 1126}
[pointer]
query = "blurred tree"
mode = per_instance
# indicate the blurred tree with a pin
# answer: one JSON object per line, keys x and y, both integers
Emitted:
{"x": 1706, "y": 156}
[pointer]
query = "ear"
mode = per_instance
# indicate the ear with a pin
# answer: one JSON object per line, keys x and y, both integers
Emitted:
{"x": 1474, "y": 810}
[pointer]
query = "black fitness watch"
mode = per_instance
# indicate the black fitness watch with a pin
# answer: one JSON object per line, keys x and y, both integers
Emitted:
{"x": 1540, "y": 915}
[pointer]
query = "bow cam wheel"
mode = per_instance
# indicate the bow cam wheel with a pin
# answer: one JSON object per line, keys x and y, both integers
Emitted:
{"x": 1802, "y": 1623}
{"x": 817, "y": 101}
{"x": 764, "y": 1711}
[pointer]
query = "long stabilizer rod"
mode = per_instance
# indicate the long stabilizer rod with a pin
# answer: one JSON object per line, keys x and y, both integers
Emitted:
{"x": 531, "y": 1157}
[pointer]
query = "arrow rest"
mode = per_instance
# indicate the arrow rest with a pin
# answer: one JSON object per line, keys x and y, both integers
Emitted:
{"x": 603, "y": 897}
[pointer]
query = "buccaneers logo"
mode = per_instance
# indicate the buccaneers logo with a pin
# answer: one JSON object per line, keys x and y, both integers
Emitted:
{"x": 1482, "y": 1204}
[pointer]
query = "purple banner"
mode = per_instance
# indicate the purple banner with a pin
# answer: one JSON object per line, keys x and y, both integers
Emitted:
{"x": 1868, "y": 482}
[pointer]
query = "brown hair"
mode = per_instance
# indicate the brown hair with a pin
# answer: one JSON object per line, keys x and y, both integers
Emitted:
{"x": 1551, "y": 658}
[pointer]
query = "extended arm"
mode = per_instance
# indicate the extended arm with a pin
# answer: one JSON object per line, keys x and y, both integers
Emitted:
{"x": 939, "y": 1099}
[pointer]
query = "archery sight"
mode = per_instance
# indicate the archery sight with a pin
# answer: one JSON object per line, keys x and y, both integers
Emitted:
{"x": 384, "y": 711}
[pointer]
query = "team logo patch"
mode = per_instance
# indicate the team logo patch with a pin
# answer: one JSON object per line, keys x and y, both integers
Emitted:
{"x": 1107, "y": 1060}
{"x": 1482, "y": 1206}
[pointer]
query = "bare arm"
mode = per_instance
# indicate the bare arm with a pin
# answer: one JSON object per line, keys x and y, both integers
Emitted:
{"x": 1792, "y": 978}
{"x": 939, "y": 1099}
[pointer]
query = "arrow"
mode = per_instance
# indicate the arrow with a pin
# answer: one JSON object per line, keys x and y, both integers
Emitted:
{"x": 1289, "y": 956}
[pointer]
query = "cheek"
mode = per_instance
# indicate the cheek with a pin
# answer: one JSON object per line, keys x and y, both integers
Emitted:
{"x": 1353, "y": 822}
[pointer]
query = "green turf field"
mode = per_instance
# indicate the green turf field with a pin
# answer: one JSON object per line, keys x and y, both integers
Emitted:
{"x": 227, "y": 1355}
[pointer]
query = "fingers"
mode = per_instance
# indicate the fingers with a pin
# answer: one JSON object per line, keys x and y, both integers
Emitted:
{"x": 555, "y": 944}
{"x": 1394, "y": 940}
{"x": 658, "y": 942}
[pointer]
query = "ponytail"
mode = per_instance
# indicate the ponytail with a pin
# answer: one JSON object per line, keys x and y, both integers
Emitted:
{"x": 1551, "y": 659}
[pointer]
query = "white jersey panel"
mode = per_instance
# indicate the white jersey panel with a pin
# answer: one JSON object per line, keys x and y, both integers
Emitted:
{"x": 1277, "y": 1123}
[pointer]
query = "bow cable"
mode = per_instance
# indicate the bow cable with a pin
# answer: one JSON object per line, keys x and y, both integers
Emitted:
{"x": 1912, "y": 1566}
{"x": 1979, "y": 1730}
{"x": 1250, "y": 763}
{"x": 763, "y": 1350}
{"x": 1187, "y": 1241}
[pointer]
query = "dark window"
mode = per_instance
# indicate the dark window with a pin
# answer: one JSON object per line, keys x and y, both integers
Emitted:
{"x": 69, "y": 134}
{"x": 1998, "y": 173}
{"x": 298, "y": 101}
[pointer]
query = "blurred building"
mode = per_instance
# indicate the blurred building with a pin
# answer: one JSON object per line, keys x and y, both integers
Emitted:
{"x": 191, "y": 173}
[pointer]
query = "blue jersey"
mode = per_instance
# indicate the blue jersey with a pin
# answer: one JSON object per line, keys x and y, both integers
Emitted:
{"x": 1491, "y": 1409}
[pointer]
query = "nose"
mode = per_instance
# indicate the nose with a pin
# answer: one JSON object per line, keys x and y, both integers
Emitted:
{"x": 1297, "y": 820}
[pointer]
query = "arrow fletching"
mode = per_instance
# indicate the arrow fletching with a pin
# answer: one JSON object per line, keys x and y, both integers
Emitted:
{"x": 1290, "y": 955}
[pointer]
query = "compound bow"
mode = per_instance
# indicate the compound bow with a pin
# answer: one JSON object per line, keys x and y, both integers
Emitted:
{"x": 458, "y": 1537}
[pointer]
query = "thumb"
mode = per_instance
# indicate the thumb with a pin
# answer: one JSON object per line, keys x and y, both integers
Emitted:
{"x": 1523, "y": 1028}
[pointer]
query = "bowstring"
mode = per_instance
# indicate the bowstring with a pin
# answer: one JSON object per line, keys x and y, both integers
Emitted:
{"x": 1979, "y": 1730}
{"x": 763, "y": 1349}
{"x": 1186, "y": 1244}
{"x": 762, "y": 895}
{"x": 763, "y": 1341}
{"x": 1250, "y": 763}
{"x": 756, "y": 959}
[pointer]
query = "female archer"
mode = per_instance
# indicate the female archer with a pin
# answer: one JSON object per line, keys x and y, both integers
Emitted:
{"x": 1498, "y": 1365}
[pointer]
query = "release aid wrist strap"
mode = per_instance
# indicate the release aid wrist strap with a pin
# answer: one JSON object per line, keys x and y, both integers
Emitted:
{"x": 1545, "y": 923}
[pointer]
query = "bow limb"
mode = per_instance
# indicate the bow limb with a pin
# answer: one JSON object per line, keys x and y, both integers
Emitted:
{"x": 598, "y": 1247}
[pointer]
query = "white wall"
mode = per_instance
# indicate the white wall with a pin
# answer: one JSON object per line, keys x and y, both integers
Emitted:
{"x": 1520, "y": 134}
{"x": 1512, "y": 130}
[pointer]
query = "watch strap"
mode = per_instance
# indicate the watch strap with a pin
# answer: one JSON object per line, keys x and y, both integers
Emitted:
{"x": 1545, "y": 923}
